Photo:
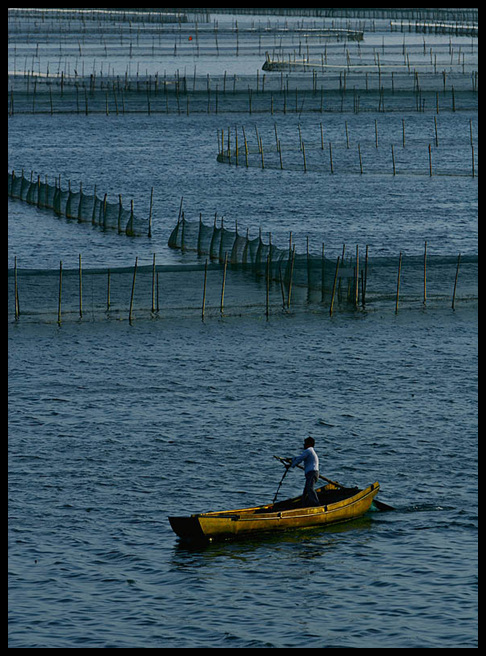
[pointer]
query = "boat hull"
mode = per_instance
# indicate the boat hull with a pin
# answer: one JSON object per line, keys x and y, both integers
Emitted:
{"x": 231, "y": 524}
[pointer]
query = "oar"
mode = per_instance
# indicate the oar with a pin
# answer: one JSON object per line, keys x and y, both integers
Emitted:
{"x": 287, "y": 467}
{"x": 379, "y": 504}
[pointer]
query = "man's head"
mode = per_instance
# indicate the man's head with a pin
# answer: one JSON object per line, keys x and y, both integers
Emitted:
{"x": 309, "y": 441}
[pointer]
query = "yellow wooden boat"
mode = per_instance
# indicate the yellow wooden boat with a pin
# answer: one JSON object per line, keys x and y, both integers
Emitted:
{"x": 339, "y": 504}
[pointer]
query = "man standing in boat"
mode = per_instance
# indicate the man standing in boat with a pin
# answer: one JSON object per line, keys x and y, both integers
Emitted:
{"x": 311, "y": 468}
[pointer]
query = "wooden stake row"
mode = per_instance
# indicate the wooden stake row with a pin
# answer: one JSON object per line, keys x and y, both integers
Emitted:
{"x": 227, "y": 155}
{"x": 286, "y": 290}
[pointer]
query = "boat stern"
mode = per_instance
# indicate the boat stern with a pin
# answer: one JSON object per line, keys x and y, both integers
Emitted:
{"x": 187, "y": 528}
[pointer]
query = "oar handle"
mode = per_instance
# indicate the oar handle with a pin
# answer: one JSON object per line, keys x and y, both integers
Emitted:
{"x": 285, "y": 461}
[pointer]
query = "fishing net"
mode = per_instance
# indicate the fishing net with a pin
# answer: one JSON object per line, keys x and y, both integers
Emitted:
{"x": 283, "y": 265}
{"x": 354, "y": 277}
{"x": 209, "y": 289}
{"x": 282, "y": 87}
{"x": 86, "y": 208}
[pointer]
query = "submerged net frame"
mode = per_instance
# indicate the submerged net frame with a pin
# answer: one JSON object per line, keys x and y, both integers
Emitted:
{"x": 82, "y": 207}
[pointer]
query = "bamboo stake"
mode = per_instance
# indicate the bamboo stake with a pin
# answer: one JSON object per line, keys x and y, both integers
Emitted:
{"x": 281, "y": 286}
{"x": 425, "y": 274}
{"x": 224, "y": 281}
{"x": 80, "y": 289}
{"x": 393, "y": 160}
{"x": 203, "y": 309}
{"x": 133, "y": 290}
{"x": 153, "y": 284}
{"x": 108, "y": 291}
{"x": 17, "y": 312}
{"x": 267, "y": 295}
{"x": 323, "y": 275}
{"x": 398, "y": 283}
{"x": 430, "y": 160}
{"x": 356, "y": 286}
{"x": 292, "y": 260}
{"x": 246, "y": 147}
{"x": 60, "y": 295}
{"x": 150, "y": 213}
{"x": 331, "y": 307}
{"x": 455, "y": 282}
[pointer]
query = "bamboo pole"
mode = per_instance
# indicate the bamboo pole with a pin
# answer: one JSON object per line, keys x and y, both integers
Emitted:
{"x": 203, "y": 309}
{"x": 150, "y": 213}
{"x": 292, "y": 260}
{"x": 130, "y": 314}
{"x": 398, "y": 283}
{"x": 223, "y": 286}
{"x": 17, "y": 310}
{"x": 356, "y": 277}
{"x": 393, "y": 160}
{"x": 59, "y": 301}
{"x": 80, "y": 289}
{"x": 455, "y": 282}
{"x": 267, "y": 291}
{"x": 430, "y": 160}
{"x": 153, "y": 283}
{"x": 425, "y": 274}
{"x": 108, "y": 291}
{"x": 323, "y": 274}
{"x": 331, "y": 307}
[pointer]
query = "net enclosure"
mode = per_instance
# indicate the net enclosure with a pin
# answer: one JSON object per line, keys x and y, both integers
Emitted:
{"x": 205, "y": 288}
{"x": 77, "y": 205}
{"x": 226, "y": 273}
{"x": 354, "y": 277}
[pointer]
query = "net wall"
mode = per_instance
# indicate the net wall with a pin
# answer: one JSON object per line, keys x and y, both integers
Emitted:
{"x": 253, "y": 254}
{"x": 213, "y": 290}
{"x": 355, "y": 277}
{"x": 283, "y": 87}
{"x": 86, "y": 208}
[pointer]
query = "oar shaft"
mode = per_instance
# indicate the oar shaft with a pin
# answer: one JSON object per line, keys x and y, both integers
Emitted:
{"x": 328, "y": 480}
{"x": 280, "y": 484}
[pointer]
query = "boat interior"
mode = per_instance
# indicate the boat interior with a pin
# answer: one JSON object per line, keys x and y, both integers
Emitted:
{"x": 327, "y": 495}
